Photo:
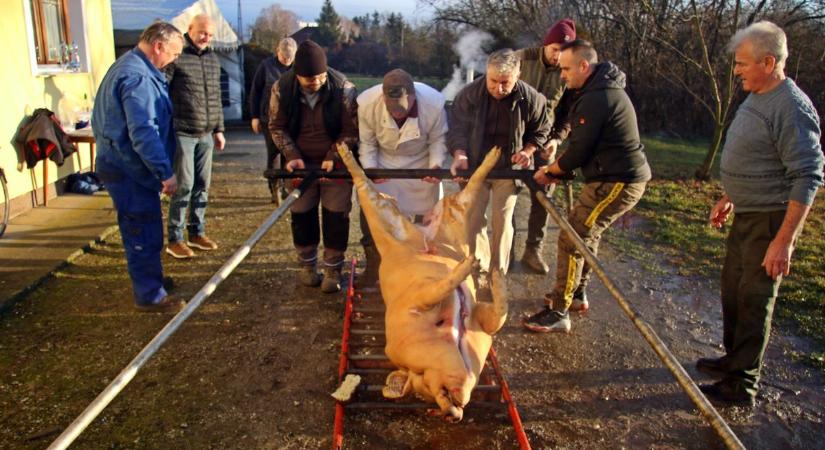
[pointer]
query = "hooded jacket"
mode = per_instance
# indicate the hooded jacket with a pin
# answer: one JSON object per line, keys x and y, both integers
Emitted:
{"x": 41, "y": 137}
{"x": 604, "y": 138}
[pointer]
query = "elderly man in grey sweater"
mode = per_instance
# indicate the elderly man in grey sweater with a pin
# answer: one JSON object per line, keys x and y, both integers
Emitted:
{"x": 772, "y": 166}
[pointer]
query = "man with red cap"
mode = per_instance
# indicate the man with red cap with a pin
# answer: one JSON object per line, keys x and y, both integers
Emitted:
{"x": 540, "y": 69}
{"x": 312, "y": 109}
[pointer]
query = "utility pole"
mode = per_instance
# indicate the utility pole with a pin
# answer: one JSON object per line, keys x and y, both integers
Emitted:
{"x": 240, "y": 23}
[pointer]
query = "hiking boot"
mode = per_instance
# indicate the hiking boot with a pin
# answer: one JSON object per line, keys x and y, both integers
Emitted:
{"x": 167, "y": 304}
{"x": 332, "y": 279}
{"x": 309, "y": 276}
{"x": 548, "y": 320}
{"x": 532, "y": 259}
{"x": 201, "y": 242}
{"x": 715, "y": 367}
{"x": 580, "y": 303}
{"x": 179, "y": 250}
{"x": 728, "y": 393}
{"x": 369, "y": 276}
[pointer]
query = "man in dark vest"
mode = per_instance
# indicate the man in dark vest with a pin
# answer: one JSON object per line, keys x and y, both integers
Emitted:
{"x": 312, "y": 109}
{"x": 195, "y": 89}
{"x": 269, "y": 71}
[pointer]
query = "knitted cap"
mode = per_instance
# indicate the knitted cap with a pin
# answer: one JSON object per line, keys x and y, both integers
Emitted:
{"x": 310, "y": 59}
{"x": 563, "y": 31}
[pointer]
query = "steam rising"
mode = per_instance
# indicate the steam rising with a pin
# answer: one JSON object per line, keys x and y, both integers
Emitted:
{"x": 470, "y": 50}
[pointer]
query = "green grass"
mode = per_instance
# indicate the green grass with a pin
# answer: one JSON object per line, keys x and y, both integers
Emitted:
{"x": 363, "y": 83}
{"x": 675, "y": 210}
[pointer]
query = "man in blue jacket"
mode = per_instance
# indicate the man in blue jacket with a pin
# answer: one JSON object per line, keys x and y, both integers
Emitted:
{"x": 136, "y": 143}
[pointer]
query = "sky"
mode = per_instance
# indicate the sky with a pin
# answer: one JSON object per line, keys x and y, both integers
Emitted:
{"x": 137, "y": 14}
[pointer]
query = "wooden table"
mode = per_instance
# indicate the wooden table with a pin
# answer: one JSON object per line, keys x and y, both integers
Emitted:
{"x": 84, "y": 136}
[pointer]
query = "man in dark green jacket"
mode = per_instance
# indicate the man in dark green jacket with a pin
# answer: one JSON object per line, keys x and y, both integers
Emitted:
{"x": 540, "y": 69}
{"x": 604, "y": 143}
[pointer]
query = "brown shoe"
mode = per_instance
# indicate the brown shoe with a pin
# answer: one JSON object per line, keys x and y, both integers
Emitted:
{"x": 168, "y": 304}
{"x": 179, "y": 250}
{"x": 202, "y": 243}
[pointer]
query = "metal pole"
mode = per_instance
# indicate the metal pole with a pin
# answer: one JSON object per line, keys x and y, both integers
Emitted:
{"x": 716, "y": 421}
{"x": 525, "y": 175}
{"x": 113, "y": 389}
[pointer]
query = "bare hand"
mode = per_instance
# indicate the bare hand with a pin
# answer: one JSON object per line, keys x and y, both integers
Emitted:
{"x": 169, "y": 186}
{"x": 523, "y": 159}
{"x": 327, "y": 165}
{"x": 256, "y": 126}
{"x": 720, "y": 212}
{"x": 432, "y": 180}
{"x": 460, "y": 162}
{"x": 220, "y": 140}
{"x": 549, "y": 152}
{"x": 777, "y": 260}
{"x": 543, "y": 177}
{"x": 294, "y": 164}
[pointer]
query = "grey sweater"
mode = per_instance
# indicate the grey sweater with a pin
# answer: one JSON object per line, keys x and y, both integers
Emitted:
{"x": 772, "y": 152}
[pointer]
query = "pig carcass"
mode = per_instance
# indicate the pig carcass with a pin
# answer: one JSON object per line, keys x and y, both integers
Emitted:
{"x": 438, "y": 334}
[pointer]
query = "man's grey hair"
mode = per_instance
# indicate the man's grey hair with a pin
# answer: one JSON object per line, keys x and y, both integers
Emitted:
{"x": 287, "y": 46}
{"x": 504, "y": 61}
{"x": 160, "y": 31}
{"x": 767, "y": 39}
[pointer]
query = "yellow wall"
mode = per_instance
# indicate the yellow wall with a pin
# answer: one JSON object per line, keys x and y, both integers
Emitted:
{"x": 24, "y": 92}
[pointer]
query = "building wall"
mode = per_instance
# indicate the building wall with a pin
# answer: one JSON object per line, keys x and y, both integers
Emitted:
{"x": 23, "y": 92}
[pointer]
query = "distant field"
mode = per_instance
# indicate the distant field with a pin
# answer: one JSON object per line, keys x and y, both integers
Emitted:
{"x": 365, "y": 82}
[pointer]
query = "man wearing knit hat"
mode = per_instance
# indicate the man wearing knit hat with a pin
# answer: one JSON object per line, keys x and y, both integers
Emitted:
{"x": 402, "y": 125}
{"x": 312, "y": 109}
{"x": 540, "y": 69}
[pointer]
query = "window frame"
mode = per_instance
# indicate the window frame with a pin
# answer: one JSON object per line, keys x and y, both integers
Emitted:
{"x": 40, "y": 36}
{"x": 74, "y": 16}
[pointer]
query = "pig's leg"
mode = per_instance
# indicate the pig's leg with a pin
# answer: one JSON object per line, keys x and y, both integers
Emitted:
{"x": 491, "y": 316}
{"x": 387, "y": 224}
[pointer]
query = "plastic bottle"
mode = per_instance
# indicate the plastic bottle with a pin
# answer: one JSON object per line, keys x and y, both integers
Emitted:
{"x": 74, "y": 58}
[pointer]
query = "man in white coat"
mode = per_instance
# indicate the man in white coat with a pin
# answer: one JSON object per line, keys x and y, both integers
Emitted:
{"x": 402, "y": 125}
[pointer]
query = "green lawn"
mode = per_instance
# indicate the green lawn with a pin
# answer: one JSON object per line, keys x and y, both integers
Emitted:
{"x": 675, "y": 209}
{"x": 365, "y": 82}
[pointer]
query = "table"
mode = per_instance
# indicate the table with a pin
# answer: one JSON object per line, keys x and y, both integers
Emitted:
{"x": 83, "y": 135}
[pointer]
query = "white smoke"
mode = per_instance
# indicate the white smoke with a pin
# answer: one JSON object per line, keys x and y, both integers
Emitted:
{"x": 470, "y": 51}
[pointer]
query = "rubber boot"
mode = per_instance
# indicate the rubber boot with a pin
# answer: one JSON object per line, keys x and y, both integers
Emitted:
{"x": 369, "y": 276}
{"x": 533, "y": 260}
{"x": 332, "y": 279}
{"x": 309, "y": 276}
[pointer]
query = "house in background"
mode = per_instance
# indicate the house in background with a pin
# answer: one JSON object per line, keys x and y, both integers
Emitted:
{"x": 132, "y": 16}
{"x": 33, "y": 77}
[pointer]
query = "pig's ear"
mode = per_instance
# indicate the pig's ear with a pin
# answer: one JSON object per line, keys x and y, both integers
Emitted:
{"x": 435, "y": 292}
{"x": 398, "y": 384}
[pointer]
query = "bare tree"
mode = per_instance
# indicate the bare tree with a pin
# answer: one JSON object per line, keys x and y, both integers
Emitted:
{"x": 273, "y": 24}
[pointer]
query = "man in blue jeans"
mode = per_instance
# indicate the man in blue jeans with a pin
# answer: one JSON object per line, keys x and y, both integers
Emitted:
{"x": 195, "y": 89}
{"x": 136, "y": 142}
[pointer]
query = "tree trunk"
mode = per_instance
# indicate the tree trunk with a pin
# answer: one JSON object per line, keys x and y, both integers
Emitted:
{"x": 703, "y": 172}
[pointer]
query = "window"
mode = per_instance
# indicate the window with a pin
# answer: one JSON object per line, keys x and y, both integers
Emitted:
{"x": 53, "y": 27}
{"x": 50, "y": 23}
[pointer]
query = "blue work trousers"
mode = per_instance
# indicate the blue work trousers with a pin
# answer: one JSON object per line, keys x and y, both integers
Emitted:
{"x": 193, "y": 169}
{"x": 141, "y": 227}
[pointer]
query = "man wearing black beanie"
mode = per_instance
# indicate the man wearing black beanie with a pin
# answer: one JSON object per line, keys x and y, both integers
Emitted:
{"x": 312, "y": 109}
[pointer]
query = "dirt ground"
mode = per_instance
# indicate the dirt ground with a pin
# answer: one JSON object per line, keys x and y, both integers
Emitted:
{"x": 254, "y": 366}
